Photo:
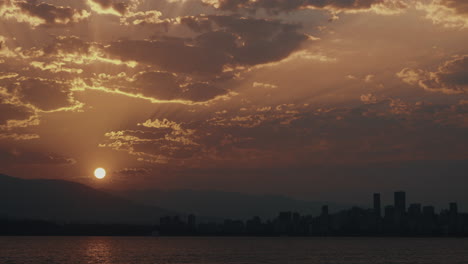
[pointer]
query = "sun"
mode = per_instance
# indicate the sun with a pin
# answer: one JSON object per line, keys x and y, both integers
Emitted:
{"x": 100, "y": 173}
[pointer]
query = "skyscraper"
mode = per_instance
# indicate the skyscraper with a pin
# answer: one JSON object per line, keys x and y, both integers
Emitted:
{"x": 453, "y": 209}
{"x": 325, "y": 210}
{"x": 400, "y": 202}
{"x": 377, "y": 209}
{"x": 414, "y": 210}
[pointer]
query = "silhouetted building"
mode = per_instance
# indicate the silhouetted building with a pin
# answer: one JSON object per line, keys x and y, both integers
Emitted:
{"x": 428, "y": 211}
{"x": 400, "y": 202}
{"x": 325, "y": 210}
{"x": 377, "y": 207}
{"x": 414, "y": 219}
{"x": 400, "y": 209}
{"x": 429, "y": 220}
{"x": 453, "y": 209}
{"x": 254, "y": 226}
{"x": 414, "y": 210}
{"x": 284, "y": 223}
{"x": 172, "y": 226}
{"x": 233, "y": 227}
{"x": 389, "y": 212}
{"x": 191, "y": 223}
{"x": 454, "y": 225}
{"x": 324, "y": 221}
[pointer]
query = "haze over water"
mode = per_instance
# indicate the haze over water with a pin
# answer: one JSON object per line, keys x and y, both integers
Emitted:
{"x": 157, "y": 250}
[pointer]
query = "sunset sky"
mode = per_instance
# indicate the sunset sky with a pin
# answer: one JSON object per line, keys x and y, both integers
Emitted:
{"x": 317, "y": 99}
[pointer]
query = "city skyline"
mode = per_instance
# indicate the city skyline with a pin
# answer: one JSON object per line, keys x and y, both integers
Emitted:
{"x": 398, "y": 220}
{"x": 414, "y": 220}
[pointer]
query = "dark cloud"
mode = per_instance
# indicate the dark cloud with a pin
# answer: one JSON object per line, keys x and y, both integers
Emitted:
{"x": 253, "y": 41}
{"x": 454, "y": 74}
{"x": 200, "y": 92}
{"x": 173, "y": 56}
{"x": 16, "y": 156}
{"x": 67, "y": 44}
{"x": 461, "y": 6}
{"x": 277, "y": 6}
{"x": 167, "y": 86}
{"x": 134, "y": 171}
{"x": 162, "y": 85}
{"x": 51, "y": 14}
{"x": 45, "y": 94}
{"x": 13, "y": 112}
{"x": 238, "y": 41}
{"x": 222, "y": 44}
{"x": 451, "y": 77}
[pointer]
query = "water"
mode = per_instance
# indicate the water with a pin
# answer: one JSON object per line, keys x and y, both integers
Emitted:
{"x": 148, "y": 250}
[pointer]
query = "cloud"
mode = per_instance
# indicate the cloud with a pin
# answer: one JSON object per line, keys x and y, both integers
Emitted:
{"x": 449, "y": 13}
{"x": 24, "y": 157}
{"x": 109, "y": 7}
{"x": 201, "y": 92}
{"x": 278, "y": 6}
{"x": 37, "y": 94}
{"x": 197, "y": 68}
{"x": 264, "y": 85}
{"x": 129, "y": 12}
{"x": 16, "y": 136}
{"x": 170, "y": 55}
{"x": 13, "y": 112}
{"x": 46, "y": 95}
{"x": 67, "y": 45}
{"x": 251, "y": 41}
{"x": 41, "y": 14}
{"x": 239, "y": 41}
{"x": 299, "y": 134}
{"x": 134, "y": 171}
{"x": 451, "y": 77}
{"x": 152, "y": 17}
{"x": 162, "y": 85}
{"x": 368, "y": 98}
{"x": 154, "y": 141}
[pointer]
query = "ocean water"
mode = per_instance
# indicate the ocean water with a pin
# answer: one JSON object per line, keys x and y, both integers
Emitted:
{"x": 242, "y": 250}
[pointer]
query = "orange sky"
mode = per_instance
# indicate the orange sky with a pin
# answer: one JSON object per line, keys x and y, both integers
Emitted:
{"x": 232, "y": 94}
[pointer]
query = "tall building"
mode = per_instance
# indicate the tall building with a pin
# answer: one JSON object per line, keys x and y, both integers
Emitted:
{"x": 324, "y": 221}
{"x": 414, "y": 210}
{"x": 400, "y": 202}
{"x": 191, "y": 222}
{"x": 453, "y": 209}
{"x": 389, "y": 212}
{"x": 453, "y": 219}
{"x": 325, "y": 210}
{"x": 428, "y": 211}
{"x": 377, "y": 209}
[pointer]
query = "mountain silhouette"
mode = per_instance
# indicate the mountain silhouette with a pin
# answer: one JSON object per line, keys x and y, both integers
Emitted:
{"x": 224, "y": 205}
{"x": 59, "y": 200}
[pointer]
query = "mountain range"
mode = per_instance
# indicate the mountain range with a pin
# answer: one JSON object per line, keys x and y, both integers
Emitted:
{"x": 59, "y": 200}
{"x": 225, "y": 205}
